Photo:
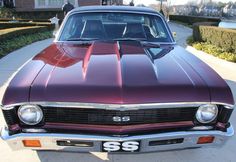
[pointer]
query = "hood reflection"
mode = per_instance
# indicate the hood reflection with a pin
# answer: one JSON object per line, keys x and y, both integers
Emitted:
{"x": 64, "y": 55}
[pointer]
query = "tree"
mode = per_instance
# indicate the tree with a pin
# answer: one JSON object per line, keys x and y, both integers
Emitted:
{"x": 161, "y": 3}
{"x": 161, "y": 7}
{"x": 221, "y": 4}
{"x": 192, "y": 3}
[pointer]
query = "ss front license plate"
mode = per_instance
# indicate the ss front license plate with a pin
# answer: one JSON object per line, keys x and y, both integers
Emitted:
{"x": 127, "y": 146}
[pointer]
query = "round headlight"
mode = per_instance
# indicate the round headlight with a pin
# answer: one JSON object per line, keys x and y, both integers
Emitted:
{"x": 30, "y": 114}
{"x": 206, "y": 113}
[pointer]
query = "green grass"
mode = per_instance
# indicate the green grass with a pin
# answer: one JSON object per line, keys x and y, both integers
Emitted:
{"x": 212, "y": 50}
{"x": 21, "y": 41}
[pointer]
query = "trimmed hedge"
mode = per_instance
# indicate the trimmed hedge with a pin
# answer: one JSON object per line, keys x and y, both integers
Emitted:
{"x": 196, "y": 32}
{"x": 5, "y": 25}
{"x": 15, "y": 43}
{"x": 6, "y": 12}
{"x": 35, "y": 15}
{"x": 24, "y": 20}
{"x": 193, "y": 19}
{"x": 11, "y": 33}
{"x": 223, "y": 38}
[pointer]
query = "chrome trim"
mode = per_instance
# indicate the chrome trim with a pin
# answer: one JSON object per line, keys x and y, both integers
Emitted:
{"x": 116, "y": 11}
{"x": 49, "y": 140}
{"x": 33, "y": 130}
{"x": 8, "y": 107}
{"x": 121, "y": 107}
{"x": 228, "y": 106}
{"x": 202, "y": 128}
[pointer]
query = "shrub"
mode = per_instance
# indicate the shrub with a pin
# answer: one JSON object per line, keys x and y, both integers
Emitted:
{"x": 35, "y": 15}
{"x": 220, "y": 37}
{"x": 190, "y": 40}
{"x": 5, "y": 25}
{"x": 10, "y": 45}
{"x": 215, "y": 51}
{"x": 6, "y": 34}
{"x": 24, "y": 20}
{"x": 7, "y": 12}
{"x": 196, "y": 35}
{"x": 26, "y": 16}
{"x": 193, "y": 19}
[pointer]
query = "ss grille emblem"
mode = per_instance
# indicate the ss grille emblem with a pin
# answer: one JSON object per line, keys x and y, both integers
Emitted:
{"x": 121, "y": 119}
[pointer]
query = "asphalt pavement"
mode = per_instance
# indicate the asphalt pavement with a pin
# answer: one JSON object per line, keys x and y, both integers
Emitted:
{"x": 11, "y": 63}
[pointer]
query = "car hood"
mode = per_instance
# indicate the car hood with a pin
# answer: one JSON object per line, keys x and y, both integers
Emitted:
{"x": 121, "y": 72}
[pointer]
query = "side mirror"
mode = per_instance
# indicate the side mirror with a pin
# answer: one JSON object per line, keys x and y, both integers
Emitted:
{"x": 174, "y": 34}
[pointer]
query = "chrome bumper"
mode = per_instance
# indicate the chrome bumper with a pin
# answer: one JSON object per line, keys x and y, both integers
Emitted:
{"x": 49, "y": 140}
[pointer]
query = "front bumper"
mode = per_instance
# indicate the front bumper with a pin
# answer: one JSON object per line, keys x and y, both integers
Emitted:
{"x": 49, "y": 140}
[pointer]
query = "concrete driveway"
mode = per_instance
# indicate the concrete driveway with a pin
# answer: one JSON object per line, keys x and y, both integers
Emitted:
{"x": 12, "y": 62}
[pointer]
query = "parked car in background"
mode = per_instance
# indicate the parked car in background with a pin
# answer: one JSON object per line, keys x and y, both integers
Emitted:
{"x": 114, "y": 80}
{"x": 228, "y": 24}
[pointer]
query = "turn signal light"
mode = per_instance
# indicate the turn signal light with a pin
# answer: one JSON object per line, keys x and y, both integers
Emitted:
{"x": 31, "y": 143}
{"x": 206, "y": 139}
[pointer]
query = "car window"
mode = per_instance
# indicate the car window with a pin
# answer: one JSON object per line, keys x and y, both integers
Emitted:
{"x": 108, "y": 26}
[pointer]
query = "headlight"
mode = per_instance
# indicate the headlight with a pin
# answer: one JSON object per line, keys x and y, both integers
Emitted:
{"x": 206, "y": 113}
{"x": 30, "y": 114}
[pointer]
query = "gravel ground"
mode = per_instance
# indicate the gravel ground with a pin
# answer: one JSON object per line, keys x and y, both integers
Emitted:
{"x": 12, "y": 62}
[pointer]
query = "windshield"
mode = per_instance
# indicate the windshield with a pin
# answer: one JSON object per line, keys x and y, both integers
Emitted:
{"x": 114, "y": 26}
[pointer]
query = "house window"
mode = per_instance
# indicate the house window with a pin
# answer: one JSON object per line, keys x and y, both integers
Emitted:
{"x": 56, "y": 3}
{"x": 53, "y": 3}
{"x": 111, "y": 2}
{"x": 1, "y": 3}
{"x": 41, "y": 3}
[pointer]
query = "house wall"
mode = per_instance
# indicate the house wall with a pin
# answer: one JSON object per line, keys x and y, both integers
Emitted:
{"x": 29, "y": 5}
{"x": 89, "y": 2}
{"x": 24, "y": 5}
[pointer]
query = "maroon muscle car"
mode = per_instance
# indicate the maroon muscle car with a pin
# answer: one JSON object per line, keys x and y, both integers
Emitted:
{"x": 114, "y": 80}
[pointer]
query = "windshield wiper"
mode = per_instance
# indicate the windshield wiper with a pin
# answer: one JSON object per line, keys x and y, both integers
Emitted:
{"x": 82, "y": 39}
{"x": 150, "y": 45}
{"x": 130, "y": 39}
{"x": 143, "y": 41}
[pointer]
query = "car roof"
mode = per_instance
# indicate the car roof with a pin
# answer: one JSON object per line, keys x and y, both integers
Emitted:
{"x": 115, "y": 8}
